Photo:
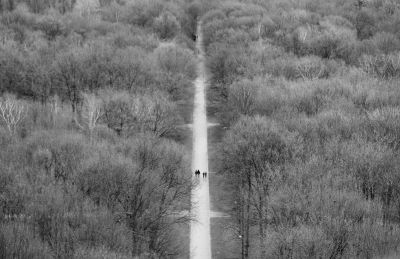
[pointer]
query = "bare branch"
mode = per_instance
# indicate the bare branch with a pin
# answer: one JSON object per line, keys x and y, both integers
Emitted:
{"x": 11, "y": 112}
{"x": 92, "y": 111}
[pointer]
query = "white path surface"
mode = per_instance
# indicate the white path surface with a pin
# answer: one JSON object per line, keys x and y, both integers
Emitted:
{"x": 200, "y": 239}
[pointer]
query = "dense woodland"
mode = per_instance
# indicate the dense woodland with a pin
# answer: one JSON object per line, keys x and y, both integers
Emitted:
{"x": 92, "y": 156}
{"x": 309, "y": 92}
{"x": 93, "y": 161}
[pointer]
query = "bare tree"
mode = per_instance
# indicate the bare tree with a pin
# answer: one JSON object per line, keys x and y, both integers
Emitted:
{"x": 153, "y": 193}
{"x": 11, "y": 112}
{"x": 254, "y": 153}
{"x": 55, "y": 108}
{"x": 91, "y": 112}
{"x": 381, "y": 66}
{"x": 242, "y": 96}
{"x": 154, "y": 114}
{"x": 68, "y": 75}
{"x": 117, "y": 110}
{"x": 360, "y": 4}
{"x": 87, "y": 8}
{"x": 310, "y": 69}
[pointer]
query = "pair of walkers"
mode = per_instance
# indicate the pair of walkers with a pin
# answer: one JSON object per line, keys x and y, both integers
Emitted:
{"x": 197, "y": 174}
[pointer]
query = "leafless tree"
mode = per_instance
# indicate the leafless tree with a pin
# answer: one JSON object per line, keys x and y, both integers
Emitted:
{"x": 310, "y": 70}
{"x": 360, "y": 4}
{"x": 11, "y": 112}
{"x": 91, "y": 112}
{"x": 55, "y": 108}
{"x": 159, "y": 187}
{"x": 157, "y": 114}
{"x": 381, "y": 66}
{"x": 87, "y": 8}
{"x": 242, "y": 96}
{"x": 254, "y": 153}
{"x": 69, "y": 78}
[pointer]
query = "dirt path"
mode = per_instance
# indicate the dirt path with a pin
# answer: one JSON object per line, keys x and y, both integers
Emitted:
{"x": 200, "y": 244}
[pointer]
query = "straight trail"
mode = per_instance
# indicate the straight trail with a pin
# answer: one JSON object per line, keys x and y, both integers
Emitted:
{"x": 200, "y": 239}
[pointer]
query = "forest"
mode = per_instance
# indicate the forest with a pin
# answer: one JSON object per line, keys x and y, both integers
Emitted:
{"x": 95, "y": 162}
{"x": 308, "y": 92}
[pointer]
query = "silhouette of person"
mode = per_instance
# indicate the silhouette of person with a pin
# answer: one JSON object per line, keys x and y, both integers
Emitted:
{"x": 204, "y": 174}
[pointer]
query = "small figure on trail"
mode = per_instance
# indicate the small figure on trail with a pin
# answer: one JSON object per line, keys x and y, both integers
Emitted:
{"x": 205, "y": 175}
{"x": 197, "y": 173}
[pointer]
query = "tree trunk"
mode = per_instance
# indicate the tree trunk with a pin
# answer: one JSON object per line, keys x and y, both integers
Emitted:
{"x": 73, "y": 106}
{"x": 261, "y": 225}
{"x": 247, "y": 230}
{"x": 242, "y": 219}
{"x": 11, "y": 5}
{"x": 136, "y": 240}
